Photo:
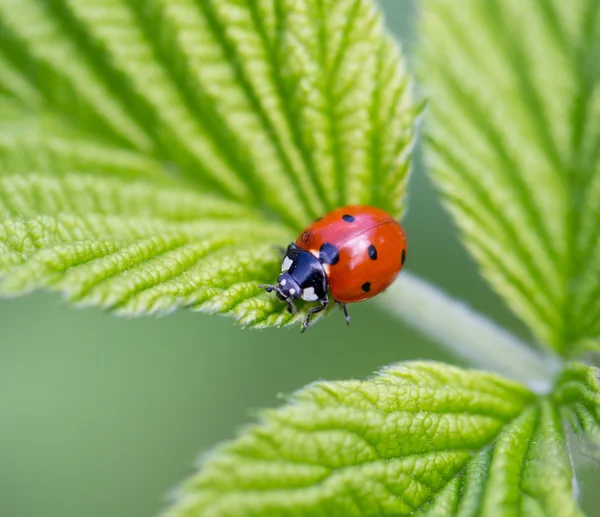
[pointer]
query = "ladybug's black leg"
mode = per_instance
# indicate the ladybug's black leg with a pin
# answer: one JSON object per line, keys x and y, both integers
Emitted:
{"x": 345, "y": 309}
{"x": 314, "y": 310}
{"x": 267, "y": 287}
{"x": 291, "y": 307}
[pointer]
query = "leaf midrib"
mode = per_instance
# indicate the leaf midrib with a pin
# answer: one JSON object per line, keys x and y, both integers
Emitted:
{"x": 285, "y": 100}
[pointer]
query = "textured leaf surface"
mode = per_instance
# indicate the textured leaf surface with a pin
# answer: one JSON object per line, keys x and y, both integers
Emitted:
{"x": 514, "y": 139}
{"x": 579, "y": 392}
{"x": 416, "y": 439}
{"x": 152, "y": 153}
{"x": 135, "y": 247}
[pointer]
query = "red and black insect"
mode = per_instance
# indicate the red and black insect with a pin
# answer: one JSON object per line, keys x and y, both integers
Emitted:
{"x": 355, "y": 251}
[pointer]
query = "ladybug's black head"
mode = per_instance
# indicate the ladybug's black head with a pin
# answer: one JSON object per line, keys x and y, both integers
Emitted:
{"x": 287, "y": 287}
{"x": 302, "y": 277}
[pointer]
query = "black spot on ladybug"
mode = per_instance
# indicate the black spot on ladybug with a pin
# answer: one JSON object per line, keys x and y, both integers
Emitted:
{"x": 366, "y": 287}
{"x": 403, "y": 256}
{"x": 329, "y": 254}
{"x": 348, "y": 218}
{"x": 372, "y": 252}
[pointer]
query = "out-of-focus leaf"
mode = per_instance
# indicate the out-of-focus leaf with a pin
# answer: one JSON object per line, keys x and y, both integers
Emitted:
{"x": 513, "y": 143}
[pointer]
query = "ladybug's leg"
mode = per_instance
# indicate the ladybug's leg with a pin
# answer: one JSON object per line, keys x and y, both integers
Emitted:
{"x": 314, "y": 310}
{"x": 345, "y": 309}
{"x": 267, "y": 287}
{"x": 291, "y": 307}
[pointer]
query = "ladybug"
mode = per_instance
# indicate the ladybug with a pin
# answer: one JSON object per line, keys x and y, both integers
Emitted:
{"x": 355, "y": 251}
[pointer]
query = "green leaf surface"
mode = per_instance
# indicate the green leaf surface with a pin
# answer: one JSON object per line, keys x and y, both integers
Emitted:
{"x": 153, "y": 153}
{"x": 513, "y": 141}
{"x": 415, "y": 439}
{"x": 579, "y": 393}
{"x": 135, "y": 247}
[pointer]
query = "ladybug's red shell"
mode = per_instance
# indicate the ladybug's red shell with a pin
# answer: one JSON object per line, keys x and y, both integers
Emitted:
{"x": 365, "y": 249}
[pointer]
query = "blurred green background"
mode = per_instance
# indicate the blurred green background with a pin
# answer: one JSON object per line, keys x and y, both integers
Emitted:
{"x": 102, "y": 416}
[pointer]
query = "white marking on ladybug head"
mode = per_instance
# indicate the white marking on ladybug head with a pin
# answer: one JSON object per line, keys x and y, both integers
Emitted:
{"x": 283, "y": 282}
{"x": 309, "y": 295}
{"x": 286, "y": 264}
{"x": 292, "y": 291}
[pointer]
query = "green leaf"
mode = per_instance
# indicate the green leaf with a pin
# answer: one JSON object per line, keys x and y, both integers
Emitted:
{"x": 579, "y": 392}
{"x": 513, "y": 140}
{"x": 135, "y": 247}
{"x": 416, "y": 439}
{"x": 153, "y": 153}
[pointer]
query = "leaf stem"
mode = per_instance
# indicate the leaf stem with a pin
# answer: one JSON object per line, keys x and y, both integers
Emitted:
{"x": 468, "y": 334}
